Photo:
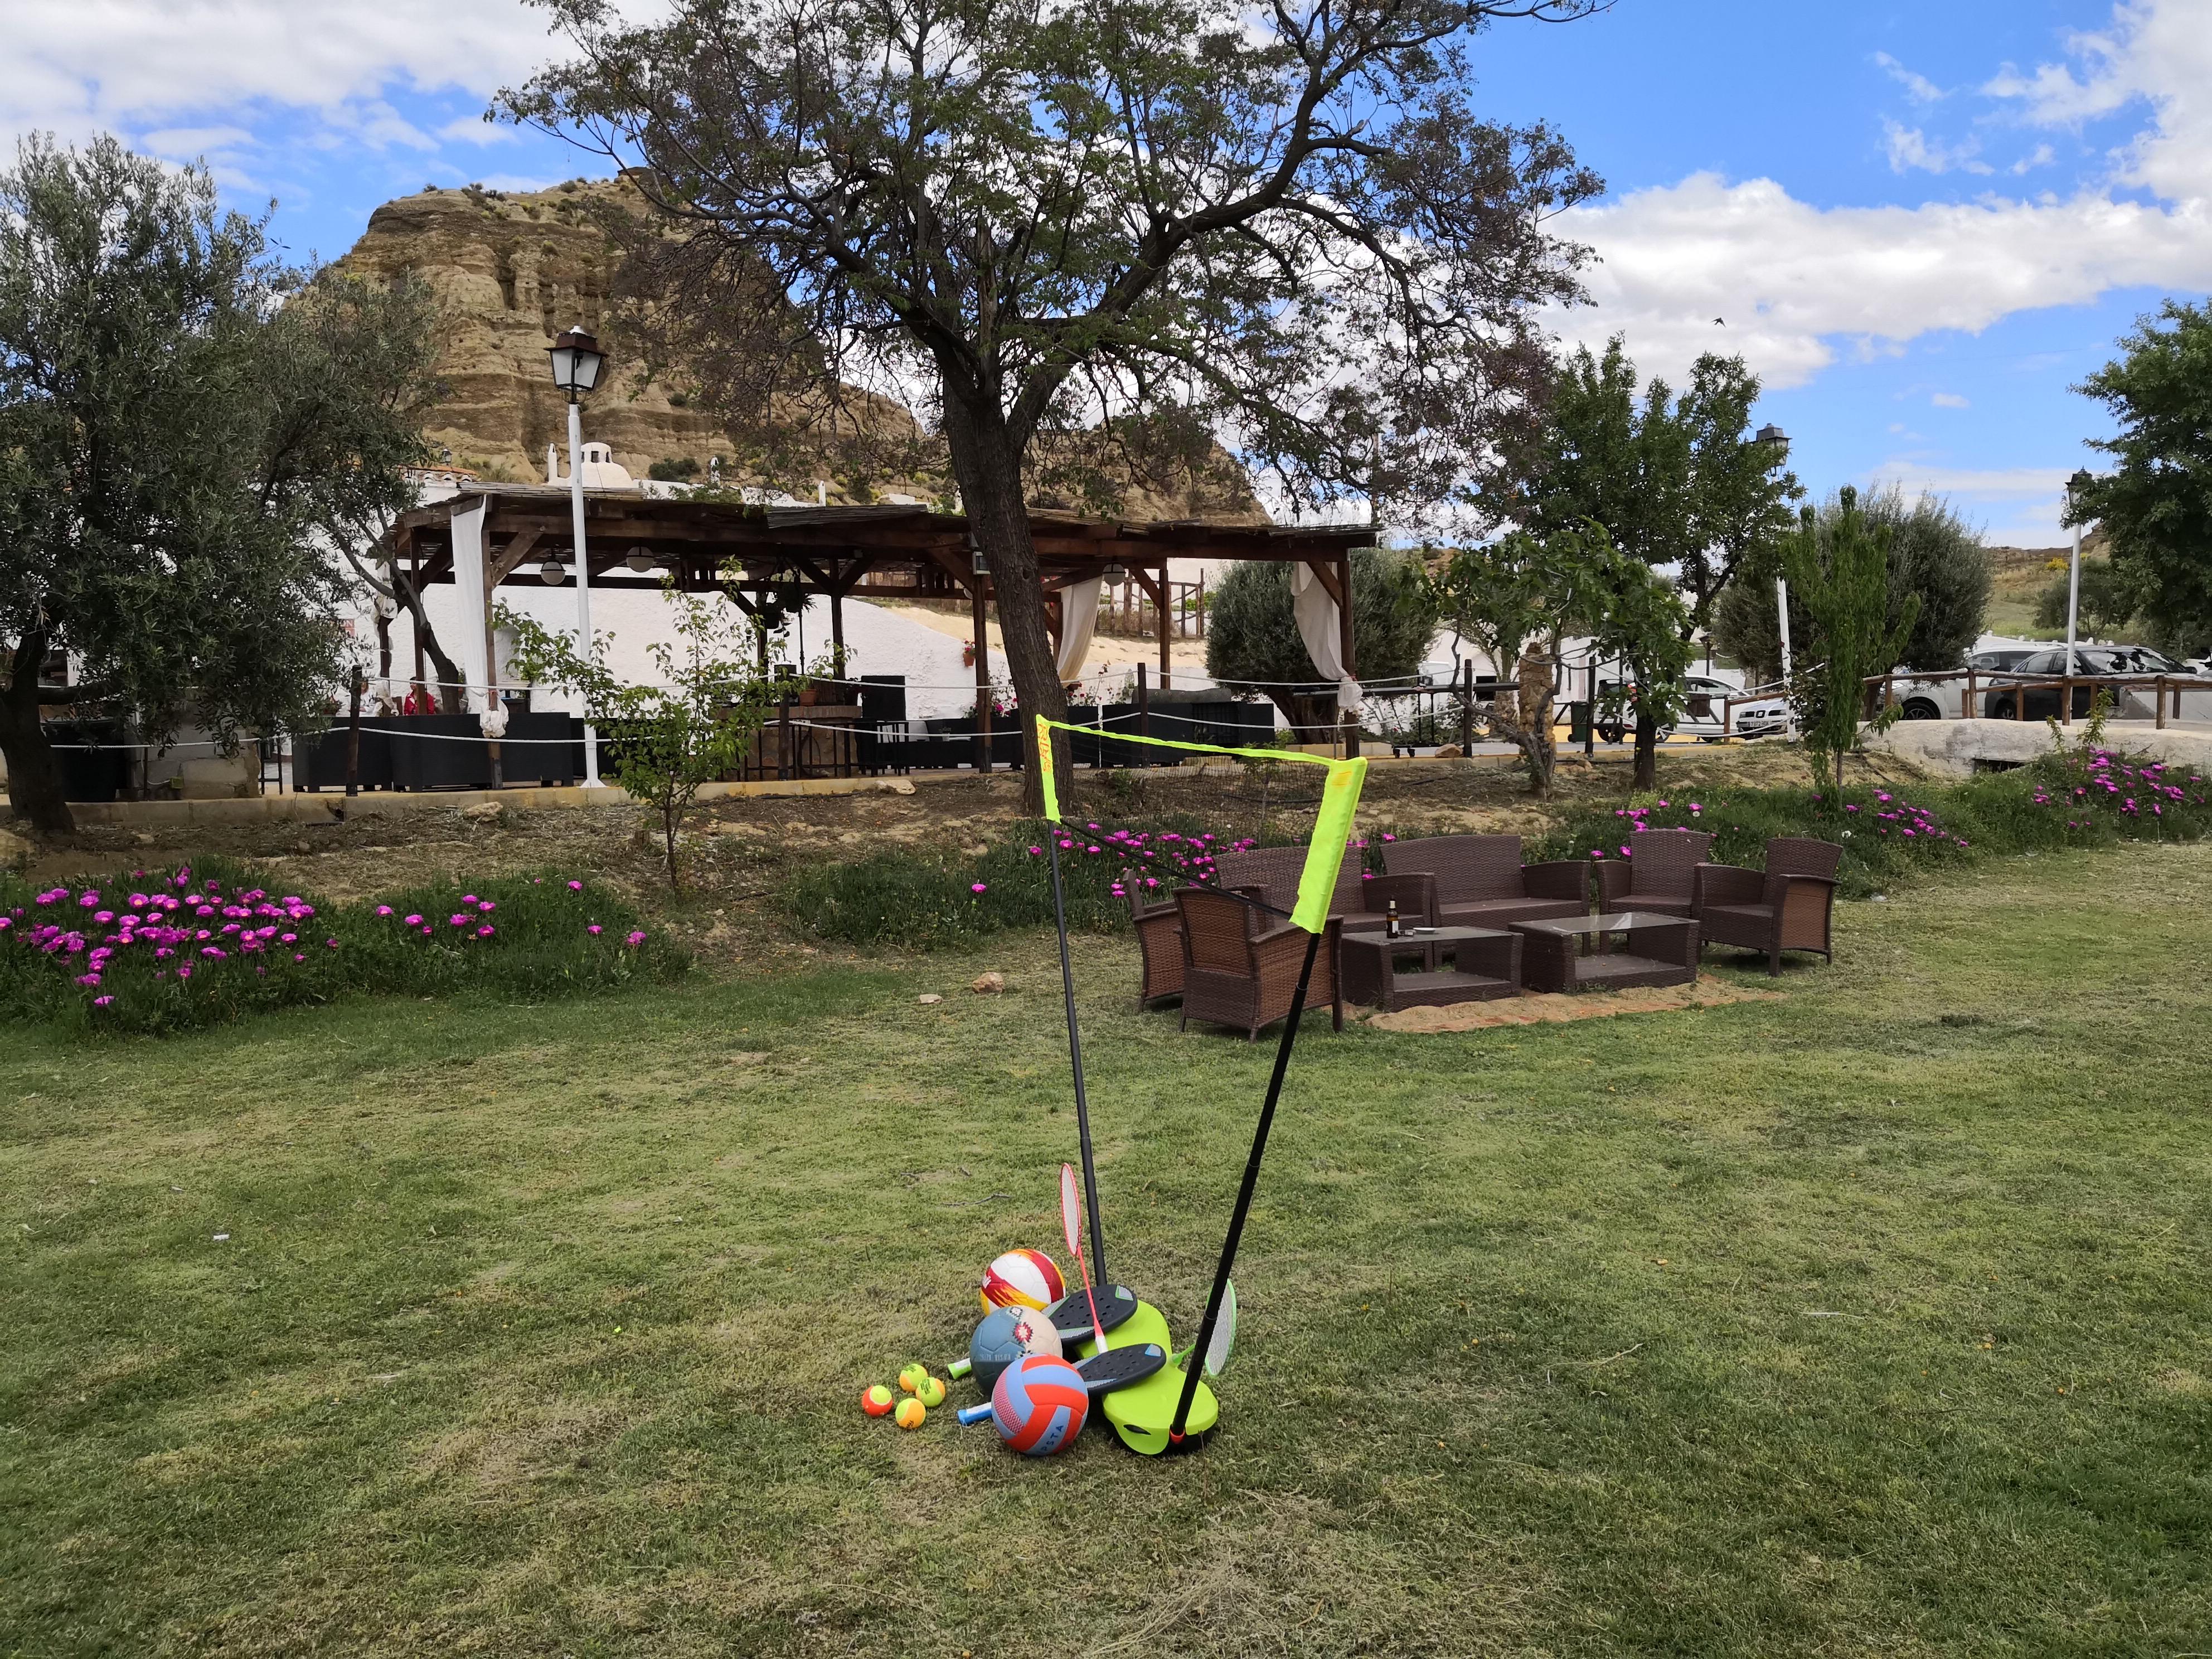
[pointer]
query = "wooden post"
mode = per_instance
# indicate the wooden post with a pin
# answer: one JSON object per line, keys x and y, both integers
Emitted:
{"x": 1144, "y": 704}
{"x": 2065, "y": 701}
{"x": 1166, "y": 661}
{"x": 837, "y": 632}
{"x": 2160, "y": 682}
{"x": 353, "y": 739}
{"x": 1967, "y": 708}
{"x": 981, "y": 616}
{"x": 1467, "y": 708}
{"x": 1350, "y": 718}
{"x": 783, "y": 736}
{"x": 2019, "y": 700}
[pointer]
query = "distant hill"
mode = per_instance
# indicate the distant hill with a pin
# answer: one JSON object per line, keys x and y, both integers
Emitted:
{"x": 512, "y": 271}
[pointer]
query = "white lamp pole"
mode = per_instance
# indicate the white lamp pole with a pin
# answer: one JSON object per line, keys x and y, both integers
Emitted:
{"x": 577, "y": 361}
{"x": 1782, "y": 610}
{"x": 2074, "y": 486}
{"x": 1776, "y": 443}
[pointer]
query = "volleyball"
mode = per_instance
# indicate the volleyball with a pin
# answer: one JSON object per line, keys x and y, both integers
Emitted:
{"x": 1022, "y": 1278}
{"x": 1039, "y": 1406}
{"x": 1007, "y": 1335}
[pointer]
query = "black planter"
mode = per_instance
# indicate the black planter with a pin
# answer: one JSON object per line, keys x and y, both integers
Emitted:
{"x": 944, "y": 751}
{"x": 425, "y": 756}
{"x": 318, "y": 759}
{"x": 89, "y": 774}
{"x": 541, "y": 749}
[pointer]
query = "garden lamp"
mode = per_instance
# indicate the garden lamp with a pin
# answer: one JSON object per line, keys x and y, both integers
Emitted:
{"x": 577, "y": 363}
{"x": 639, "y": 560}
{"x": 2077, "y": 488}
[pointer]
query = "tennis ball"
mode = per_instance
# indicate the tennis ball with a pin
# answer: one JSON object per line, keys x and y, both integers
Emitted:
{"x": 930, "y": 1391}
{"x": 911, "y": 1414}
{"x": 912, "y": 1377}
{"x": 876, "y": 1401}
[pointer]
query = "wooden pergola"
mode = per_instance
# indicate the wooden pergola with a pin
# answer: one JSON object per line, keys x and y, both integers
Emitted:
{"x": 756, "y": 554}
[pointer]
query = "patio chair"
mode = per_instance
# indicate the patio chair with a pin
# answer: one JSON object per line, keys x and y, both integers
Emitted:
{"x": 1785, "y": 907}
{"x": 1479, "y": 881}
{"x": 1160, "y": 939}
{"x": 1236, "y": 975}
{"x": 1662, "y": 876}
{"x": 1360, "y": 900}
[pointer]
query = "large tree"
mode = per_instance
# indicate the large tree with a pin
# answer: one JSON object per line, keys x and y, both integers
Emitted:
{"x": 2156, "y": 505}
{"x": 184, "y": 423}
{"x": 1938, "y": 570}
{"x": 1287, "y": 227}
{"x": 1674, "y": 479}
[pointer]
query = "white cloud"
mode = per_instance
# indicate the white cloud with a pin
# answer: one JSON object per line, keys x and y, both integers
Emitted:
{"x": 1796, "y": 281}
{"x": 2042, "y": 156}
{"x": 474, "y": 130}
{"x": 1917, "y": 87}
{"x": 1950, "y": 400}
{"x": 1909, "y": 147}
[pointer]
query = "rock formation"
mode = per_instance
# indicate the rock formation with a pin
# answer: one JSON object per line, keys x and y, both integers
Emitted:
{"x": 511, "y": 270}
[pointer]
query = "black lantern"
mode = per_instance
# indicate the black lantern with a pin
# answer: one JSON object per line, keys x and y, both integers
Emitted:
{"x": 577, "y": 361}
{"x": 1772, "y": 437}
{"x": 978, "y": 560}
{"x": 2078, "y": 486}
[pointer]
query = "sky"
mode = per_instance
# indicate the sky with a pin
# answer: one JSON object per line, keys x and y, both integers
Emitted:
{"x": 1920, "y": 223}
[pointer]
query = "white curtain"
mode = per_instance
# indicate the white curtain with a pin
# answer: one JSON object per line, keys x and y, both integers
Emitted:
{"x": 1079, "y": 621}
{"x": 1319, "y": 627}
{"x": 475, "y": 643}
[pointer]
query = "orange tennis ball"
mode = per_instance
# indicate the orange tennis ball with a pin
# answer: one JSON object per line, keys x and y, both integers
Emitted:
{"x": 911, "y": 1414}
{"x": 876, "y": 1399}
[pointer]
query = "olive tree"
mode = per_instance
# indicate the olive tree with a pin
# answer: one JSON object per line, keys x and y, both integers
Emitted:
{"x": 1253, "y": 639}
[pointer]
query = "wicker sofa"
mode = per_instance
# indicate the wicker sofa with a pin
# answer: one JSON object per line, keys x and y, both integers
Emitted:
{"x": 1360, "y": 901}
{"x": 1479, "y": 881}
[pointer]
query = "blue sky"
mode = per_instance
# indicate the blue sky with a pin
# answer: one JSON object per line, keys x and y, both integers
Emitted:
{"x": 1921, "y": 223}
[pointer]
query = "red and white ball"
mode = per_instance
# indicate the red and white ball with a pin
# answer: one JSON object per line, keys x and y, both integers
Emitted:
{"x": 1022, "y": 1278}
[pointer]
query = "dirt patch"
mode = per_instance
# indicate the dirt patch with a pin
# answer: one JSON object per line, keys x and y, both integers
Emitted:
{"x": 1552, "y": 1009}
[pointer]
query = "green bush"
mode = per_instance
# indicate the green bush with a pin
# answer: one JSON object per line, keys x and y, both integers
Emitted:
{"x": 209, "y": 942}
{"x": 2087, "y": 795}
{"x": 924, "y": 901}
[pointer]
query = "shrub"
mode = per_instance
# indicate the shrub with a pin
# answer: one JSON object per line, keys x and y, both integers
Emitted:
{"x": 923, "y": 903}
{"x": 206, "y": 943}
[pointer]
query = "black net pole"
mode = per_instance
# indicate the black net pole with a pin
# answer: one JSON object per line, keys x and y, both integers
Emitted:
{"x": 1244, "y": 1192}
{"x": 1075, "y": 1054}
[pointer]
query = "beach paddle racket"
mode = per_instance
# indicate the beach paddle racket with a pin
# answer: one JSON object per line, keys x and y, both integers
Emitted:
{"x": 1070, "y": 1315}
{"x": 1071, "y": 1224}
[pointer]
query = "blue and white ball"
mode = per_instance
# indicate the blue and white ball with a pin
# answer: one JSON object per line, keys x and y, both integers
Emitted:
{"x": 1009, "y": 1334}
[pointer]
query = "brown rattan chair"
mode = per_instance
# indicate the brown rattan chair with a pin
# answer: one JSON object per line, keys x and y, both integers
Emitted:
{"x": 1661, "y": 876}
{"x": 1481, "y": 882}
{"x": 1160, "y": 939}
{"x": 1785, "y": 907}
{"x": 1234, "y": 975}
{"x": 1359, "y": 900}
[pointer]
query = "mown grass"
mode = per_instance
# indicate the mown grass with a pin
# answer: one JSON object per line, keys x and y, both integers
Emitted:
{"x": 1869, "y": 1320}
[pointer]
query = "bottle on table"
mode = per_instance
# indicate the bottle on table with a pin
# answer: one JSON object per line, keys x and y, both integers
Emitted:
{"x": 1390, "y": 924}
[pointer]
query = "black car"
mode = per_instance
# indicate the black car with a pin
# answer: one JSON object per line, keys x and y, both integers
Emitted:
{"x": 2096, "y": 660}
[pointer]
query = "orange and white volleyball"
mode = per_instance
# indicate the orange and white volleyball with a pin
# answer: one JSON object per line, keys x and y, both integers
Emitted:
{"x": 1022, "y": 1279}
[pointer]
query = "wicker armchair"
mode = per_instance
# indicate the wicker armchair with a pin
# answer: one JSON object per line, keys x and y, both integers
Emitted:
{"x": 1234, "y": 975}
{"x": 1479, "y": 881}
{"x": 1662, "y": 876}
{"x": 1786, "y": 906}
{"x": 1159, "y": 939}
{"x": 1360, "y": 901}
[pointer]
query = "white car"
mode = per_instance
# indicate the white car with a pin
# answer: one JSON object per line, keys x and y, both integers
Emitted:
{"x": 1706, "y": 717}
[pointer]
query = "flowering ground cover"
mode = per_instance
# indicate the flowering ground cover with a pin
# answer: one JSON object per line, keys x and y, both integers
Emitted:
{"x": 170, "y": 949}
{"x": 1868, "y": 1319}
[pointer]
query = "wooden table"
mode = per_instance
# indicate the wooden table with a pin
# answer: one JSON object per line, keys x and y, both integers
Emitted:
{"x": 1649, "y": 949}
{"x": 1486, "y": 962}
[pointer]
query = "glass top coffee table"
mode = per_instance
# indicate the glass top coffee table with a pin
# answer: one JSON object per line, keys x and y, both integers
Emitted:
{"x": 1486, "y": 962}
{"x": 1569, "y": 953}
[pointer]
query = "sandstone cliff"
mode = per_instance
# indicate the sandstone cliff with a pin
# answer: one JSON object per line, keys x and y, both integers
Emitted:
{"x": 510, "y": 271}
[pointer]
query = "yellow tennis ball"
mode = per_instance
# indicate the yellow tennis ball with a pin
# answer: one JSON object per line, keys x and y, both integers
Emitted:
{"x": 930, "y": 1390}
{"x": 912, "y": 1377}
{"x": 911, "y": 1414}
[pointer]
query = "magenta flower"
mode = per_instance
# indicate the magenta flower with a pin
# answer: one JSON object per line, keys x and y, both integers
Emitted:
{"x": 594, "y": 929}
{"x": 102, "y": 1002}
{"x": 484, "y": 931}
{"x": 635, "y": 939}
{"x": 412, "y": 921}
{"x": 575, "y": 886}
{"x": 383, "y": 909}
{"x": 975, "y": 887}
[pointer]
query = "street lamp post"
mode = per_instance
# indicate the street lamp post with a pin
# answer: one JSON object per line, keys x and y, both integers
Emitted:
{"x": 577, "y": 361}
{"x": 2076, "y": 487}
{"x": 1772, "y": 439}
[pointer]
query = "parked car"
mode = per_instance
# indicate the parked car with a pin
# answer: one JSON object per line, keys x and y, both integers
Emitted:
{"x": 1705, "y": 716}
{"x": 1923, "y": 699}
{"x": 2041, "y": 701}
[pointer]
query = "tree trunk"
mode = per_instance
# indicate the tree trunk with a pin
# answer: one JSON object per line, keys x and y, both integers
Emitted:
{"x": 1534, "y": 716}
{"x": 1647, "y": 747}
{"x": 989, "y": 468}
{"x": 449, "y": 672}
{"x": 34, "y": 775}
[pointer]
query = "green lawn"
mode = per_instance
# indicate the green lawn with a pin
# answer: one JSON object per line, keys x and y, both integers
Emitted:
{"x": 1872, "y": 1320}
